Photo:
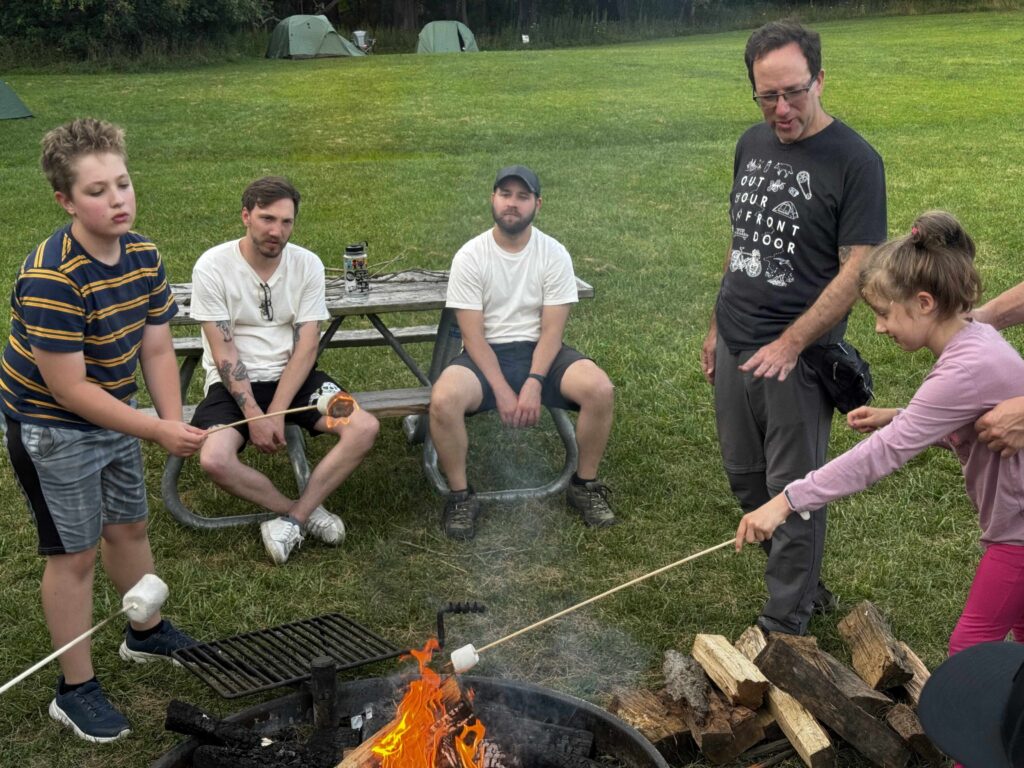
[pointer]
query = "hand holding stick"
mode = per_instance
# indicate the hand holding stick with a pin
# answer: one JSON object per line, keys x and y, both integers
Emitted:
{"x": 337, "y": 407}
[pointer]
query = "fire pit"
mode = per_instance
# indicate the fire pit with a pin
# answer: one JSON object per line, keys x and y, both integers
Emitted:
{"x": 614, "y": 742}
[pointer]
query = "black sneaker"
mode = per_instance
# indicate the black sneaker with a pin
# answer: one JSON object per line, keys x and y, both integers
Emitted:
{"x": 157, "y": 647}
{"x": 87, "y": 712}
{"x": 591, "y": 501}
{"x": 460, "y": 514}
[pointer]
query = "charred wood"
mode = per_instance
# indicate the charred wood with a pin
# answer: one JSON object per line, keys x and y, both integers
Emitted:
{"x": 657, "y": 718}
{"x": 190, "y": 720}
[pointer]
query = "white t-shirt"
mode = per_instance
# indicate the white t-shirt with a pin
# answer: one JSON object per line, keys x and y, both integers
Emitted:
{"x": 511, "y": 288}
{"x": 226, "y": 288}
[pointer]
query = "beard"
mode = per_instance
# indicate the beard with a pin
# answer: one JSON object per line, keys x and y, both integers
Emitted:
{"x": 269, "y": 249}
{"x": 515, "y": 226}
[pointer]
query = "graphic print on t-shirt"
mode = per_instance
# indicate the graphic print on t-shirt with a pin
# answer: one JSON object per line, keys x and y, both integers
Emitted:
{"x": 766, "y": 220}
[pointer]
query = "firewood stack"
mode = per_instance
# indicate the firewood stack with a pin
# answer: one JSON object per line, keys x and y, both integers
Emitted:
{"x": 763, "y": 700}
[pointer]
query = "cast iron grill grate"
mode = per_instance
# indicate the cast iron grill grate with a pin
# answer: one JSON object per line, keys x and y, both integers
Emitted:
{"x": 270, "y": 658}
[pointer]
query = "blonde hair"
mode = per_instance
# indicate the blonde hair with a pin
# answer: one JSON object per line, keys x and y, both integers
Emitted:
{"x": 936, "y": 257}
{"x": 64, "y": 145}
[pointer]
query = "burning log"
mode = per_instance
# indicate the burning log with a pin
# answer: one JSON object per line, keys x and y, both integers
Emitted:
{"x": 877, "y": 656}
{"x": 733, "y": 673}
{"x": 660, "y": 722}
{"x": 905, "y": 722}
{"x": 795, "y": 674}
{"x": 806, "y": 735}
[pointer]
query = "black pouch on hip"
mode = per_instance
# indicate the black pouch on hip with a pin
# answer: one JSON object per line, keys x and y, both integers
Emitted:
{"x": 845, "y": 375}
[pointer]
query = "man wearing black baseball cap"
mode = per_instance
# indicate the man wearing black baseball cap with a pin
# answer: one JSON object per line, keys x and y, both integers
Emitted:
{"x": 972, "y": 707}
{"x": 512, "y": 288}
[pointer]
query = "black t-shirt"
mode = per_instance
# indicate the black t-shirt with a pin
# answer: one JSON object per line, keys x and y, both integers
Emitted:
{"x": 792, "y": 207}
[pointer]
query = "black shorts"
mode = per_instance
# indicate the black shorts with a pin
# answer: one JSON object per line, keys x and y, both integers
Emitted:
{"x": 515, "y": 359}
{"x": 219, "y": 407}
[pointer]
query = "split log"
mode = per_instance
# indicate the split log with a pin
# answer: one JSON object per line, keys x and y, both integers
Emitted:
{"x": 733, "y": 673}
{"x": 721, "y": 730}
{"x": 846, "y": 680}
{"x": 906, "y": 723}
{"x": 914, "y": 686}
{"x": 660, "y": 722}
{"x": 877, "y": 656}
{"x": 791, "y": 671}
{"x": 808, "y": 738}
{"x": 686, "y": 681}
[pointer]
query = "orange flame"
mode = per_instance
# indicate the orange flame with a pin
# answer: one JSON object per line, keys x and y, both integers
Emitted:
{"x": 422, "y": 727}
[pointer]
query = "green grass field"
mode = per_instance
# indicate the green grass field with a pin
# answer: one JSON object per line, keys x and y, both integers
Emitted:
{"x": 634, "y": 147}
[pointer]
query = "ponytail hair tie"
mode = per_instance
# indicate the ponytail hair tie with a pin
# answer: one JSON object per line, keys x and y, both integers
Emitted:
{"x": 914, "y": 231}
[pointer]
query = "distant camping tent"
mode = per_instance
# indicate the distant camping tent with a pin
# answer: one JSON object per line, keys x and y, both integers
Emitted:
{"x": 305, "y": 37}
{"x": 10, "y": 105}
{"x": 446, "y": 37}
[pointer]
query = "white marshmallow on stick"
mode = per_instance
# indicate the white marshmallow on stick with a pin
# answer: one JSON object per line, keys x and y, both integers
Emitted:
{"x": 464, "y": 658}
{"x": 140, "y": 602}
{"x": 143, "y": 600}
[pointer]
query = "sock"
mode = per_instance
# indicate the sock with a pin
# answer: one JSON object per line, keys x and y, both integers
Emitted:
{"x": 464, "y": 490}
{"x": 67, "y": 688}
{"x": 577, "y": 480}
{"x": 142, "y": 634}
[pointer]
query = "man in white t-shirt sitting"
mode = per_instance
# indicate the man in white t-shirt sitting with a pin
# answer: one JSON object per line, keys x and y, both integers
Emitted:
{"x": 512, "y": 288}
{"x": 261, "y": 300}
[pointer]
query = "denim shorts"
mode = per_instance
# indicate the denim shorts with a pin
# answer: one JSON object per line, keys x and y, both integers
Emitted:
{"x": 515, "y": 359}
{"x": 76, "y": 482}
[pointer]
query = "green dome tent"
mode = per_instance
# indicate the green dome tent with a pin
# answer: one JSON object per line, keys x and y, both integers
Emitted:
{"x": 446, "y": 37}
{"x": 305, "y": 37}
{"x": 10, "y": 105}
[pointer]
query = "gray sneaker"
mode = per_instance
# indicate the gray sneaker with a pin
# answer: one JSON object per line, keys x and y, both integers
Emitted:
{"x": 280, "y": 536}
{"x": 460, "y": 513}
{"x": 325, "y": 526}
{"x": 88, "y": 713}
{"x": 591, "y": 501}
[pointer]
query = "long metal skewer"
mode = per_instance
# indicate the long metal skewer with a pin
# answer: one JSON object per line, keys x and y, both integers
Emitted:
{"x": 611, "y": 591}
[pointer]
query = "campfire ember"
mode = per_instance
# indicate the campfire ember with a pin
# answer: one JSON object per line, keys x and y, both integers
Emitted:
{"x": 423, "y": 733}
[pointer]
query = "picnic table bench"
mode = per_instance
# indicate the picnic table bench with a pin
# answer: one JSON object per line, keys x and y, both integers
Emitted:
{"x": 402, "y": 292}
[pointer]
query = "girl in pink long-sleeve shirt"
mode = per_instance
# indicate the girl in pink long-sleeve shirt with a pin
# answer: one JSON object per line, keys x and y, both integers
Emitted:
{"x": 921, "y": 288}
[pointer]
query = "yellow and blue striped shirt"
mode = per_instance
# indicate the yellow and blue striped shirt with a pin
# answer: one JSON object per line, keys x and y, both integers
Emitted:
{"x": 66, "y": 301}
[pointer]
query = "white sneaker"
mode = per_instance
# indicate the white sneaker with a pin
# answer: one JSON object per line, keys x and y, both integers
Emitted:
{"x": 325, "y": 526}
{"x": 280, "y": 536}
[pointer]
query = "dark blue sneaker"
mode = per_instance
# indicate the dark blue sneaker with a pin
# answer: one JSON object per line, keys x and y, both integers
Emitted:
{"x": 86, "y": 711}
{"x": 157, "y": 647}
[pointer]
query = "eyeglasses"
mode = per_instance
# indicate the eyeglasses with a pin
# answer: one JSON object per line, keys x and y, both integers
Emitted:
{"x": 266, "y": 306}
{"x": 768, "y": 100}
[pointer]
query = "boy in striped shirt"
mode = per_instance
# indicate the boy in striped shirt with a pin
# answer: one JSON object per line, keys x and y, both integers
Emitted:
{"x": 90, "y": 304}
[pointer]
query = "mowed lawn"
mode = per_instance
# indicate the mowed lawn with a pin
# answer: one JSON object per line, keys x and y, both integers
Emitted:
{"x": 633, "y": 145}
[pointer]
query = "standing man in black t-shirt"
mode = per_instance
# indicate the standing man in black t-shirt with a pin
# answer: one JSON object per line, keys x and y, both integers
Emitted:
{"x": 807, "y": 203}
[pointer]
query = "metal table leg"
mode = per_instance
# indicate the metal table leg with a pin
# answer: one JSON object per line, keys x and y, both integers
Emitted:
{"x": 565, "y": 430}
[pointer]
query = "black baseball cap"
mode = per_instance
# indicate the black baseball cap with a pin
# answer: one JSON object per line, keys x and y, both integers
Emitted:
{"x": 521, "y": 172}
{"x": 972, "y": 707}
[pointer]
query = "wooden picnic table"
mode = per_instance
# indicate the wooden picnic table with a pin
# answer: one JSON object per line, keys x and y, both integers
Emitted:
{"x": 390, "y": 296}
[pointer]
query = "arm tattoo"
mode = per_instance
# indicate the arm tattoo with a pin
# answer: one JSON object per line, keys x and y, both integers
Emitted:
{"x": 225, "y": 329}
{"x": 844, "y": 253}
{"x": 295, "y": 333}
{"x": 240, "y": 372}
{"x": 241, "y": 399}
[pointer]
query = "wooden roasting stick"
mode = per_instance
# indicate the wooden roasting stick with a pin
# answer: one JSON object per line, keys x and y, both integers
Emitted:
{"x": 339, "y": 407}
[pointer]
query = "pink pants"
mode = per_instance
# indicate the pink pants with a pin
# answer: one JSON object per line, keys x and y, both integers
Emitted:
{"x": 995, "y": 604}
